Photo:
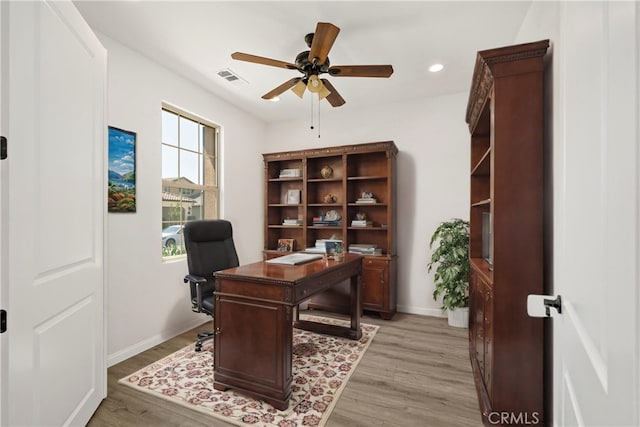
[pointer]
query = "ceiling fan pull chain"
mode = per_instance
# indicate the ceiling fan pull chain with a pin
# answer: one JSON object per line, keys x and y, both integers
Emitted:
{"x": 311, "y": 127}
{"x": 318, "y": 119}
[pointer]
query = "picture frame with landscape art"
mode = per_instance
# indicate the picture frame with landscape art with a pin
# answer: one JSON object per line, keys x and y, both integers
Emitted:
{"x": 122, "y": 171}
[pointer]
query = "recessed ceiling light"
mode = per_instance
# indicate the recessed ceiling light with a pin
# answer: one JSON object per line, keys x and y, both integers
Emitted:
{"x": 274, "y": 99}
{"x": 436, "y": 67}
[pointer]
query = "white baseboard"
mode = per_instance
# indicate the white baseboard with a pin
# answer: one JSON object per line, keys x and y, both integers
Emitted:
{"x": 113, "y": 359}
{"x": 434, "y": 312}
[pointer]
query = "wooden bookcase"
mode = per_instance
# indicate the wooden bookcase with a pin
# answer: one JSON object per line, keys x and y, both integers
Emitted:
{"x": 354, "y": 169}
{"x": 505, "y": 117}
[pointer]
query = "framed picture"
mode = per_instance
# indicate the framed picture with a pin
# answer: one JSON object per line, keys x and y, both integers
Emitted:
{"x": 333, "y": 247}
{"x": 293, "y": 197}
{"x": 285, "y": 245}
{"x": 122, "y": 171}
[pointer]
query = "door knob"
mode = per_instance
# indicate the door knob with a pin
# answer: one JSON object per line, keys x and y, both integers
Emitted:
{"x": 541, "y": 305}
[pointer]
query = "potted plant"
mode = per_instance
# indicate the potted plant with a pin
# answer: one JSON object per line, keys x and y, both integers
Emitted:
{"x": 451, "y": 261}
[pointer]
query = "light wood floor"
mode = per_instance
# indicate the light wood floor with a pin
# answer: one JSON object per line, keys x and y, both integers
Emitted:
{"x": 415, "y": 373}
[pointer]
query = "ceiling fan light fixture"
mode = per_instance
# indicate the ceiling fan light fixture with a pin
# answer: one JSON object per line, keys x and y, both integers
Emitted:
{"x": 299, "y": 88}
{"x": 314, "y": 85}
{"x": 323, "y": 92}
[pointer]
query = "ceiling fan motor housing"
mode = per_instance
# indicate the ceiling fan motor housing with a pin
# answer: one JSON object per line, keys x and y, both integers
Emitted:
{"x": 307, "y": 67}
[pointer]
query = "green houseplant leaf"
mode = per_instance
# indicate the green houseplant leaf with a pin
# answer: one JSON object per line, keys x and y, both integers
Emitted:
{"x": 451, "y": 261}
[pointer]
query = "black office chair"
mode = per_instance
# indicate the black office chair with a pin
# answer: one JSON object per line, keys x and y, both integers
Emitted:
{"x": 210, "y": 248}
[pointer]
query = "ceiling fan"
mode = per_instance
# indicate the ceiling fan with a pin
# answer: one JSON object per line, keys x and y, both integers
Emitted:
{"x": 314, "y": 62}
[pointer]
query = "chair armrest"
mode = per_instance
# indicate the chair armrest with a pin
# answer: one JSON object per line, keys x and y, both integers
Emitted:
{"x": 194, "y": 279}
{"x": 199, "y": 285}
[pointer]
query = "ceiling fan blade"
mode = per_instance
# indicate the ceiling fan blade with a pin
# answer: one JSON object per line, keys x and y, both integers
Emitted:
{"x": 282, "y": 88}
{"x": 323, "y": 39}
{"x": 262, "y": 60}
{"x": 361, "y": 70}
{"x": 334, "y": 97}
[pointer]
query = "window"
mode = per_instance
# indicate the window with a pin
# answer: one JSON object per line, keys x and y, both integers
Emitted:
{"x": 189, "y": 175}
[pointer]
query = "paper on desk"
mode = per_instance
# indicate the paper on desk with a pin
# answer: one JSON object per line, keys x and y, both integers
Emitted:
{"x": 294, "y": 259}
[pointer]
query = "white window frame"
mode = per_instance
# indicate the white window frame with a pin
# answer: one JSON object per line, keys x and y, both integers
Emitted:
{"x": 173, "y": 189}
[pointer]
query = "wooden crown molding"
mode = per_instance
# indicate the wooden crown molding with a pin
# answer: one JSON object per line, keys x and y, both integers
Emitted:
{"x": 483, "y": 73}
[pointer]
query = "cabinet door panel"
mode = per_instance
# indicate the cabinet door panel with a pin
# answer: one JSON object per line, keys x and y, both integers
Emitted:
{"x": 374, "y": 283}
{"x": 236, "y": 343}
{"x": 488, "y": 338}
{"x": 476, "y": 323}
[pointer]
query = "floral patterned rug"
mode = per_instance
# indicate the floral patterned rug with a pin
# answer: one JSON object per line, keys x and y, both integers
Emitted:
{"x": 322, "y": 365}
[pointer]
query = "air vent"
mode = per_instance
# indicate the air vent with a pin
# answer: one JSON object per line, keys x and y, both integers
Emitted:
{"x": 232, "y": 77}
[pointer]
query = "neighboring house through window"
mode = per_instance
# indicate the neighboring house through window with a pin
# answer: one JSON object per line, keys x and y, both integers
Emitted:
{"x": 189, "y": 175}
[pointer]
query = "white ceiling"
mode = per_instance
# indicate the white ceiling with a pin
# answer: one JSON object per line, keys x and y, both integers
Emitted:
{"x": 196, "y": 39}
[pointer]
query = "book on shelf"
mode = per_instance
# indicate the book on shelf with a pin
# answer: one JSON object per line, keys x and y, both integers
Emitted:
{"x": 363, "y": 245}
{"x": 361, "y": 223}
{"x": 327, "y": 223}
{"x": 365, "y": 250}
{"x": 366, "y": 200}
{"x": 289, "y": 221}
{"x": 323, "y": 221}
{"x": 290, "y": 173}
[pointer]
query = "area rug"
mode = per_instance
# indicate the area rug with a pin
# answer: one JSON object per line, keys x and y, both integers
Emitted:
{"x": 322, "y": 365}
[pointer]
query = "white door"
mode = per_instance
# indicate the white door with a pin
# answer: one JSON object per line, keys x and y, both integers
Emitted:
{"x": 596, "y": 219}
{"x": 53, "y": 215}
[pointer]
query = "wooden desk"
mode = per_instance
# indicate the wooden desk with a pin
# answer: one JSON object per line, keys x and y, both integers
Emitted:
{"x": 254, "y": 320}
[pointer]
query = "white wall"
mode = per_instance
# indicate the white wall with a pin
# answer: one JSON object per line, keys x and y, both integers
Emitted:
{"x": 147, "y": 301}
{"x": 433, "y": 173}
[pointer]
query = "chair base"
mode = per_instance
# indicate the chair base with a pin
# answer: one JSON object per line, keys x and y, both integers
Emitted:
{"x": 202, "y": 337}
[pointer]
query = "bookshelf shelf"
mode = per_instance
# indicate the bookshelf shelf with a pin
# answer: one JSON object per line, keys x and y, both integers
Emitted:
{"x": 365, "y": 178}
{"x": 485, "y": 202}
{"x": 325, "y": 180}
{"x": 483, "y": 167}
{"x": 285, "y": 180}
